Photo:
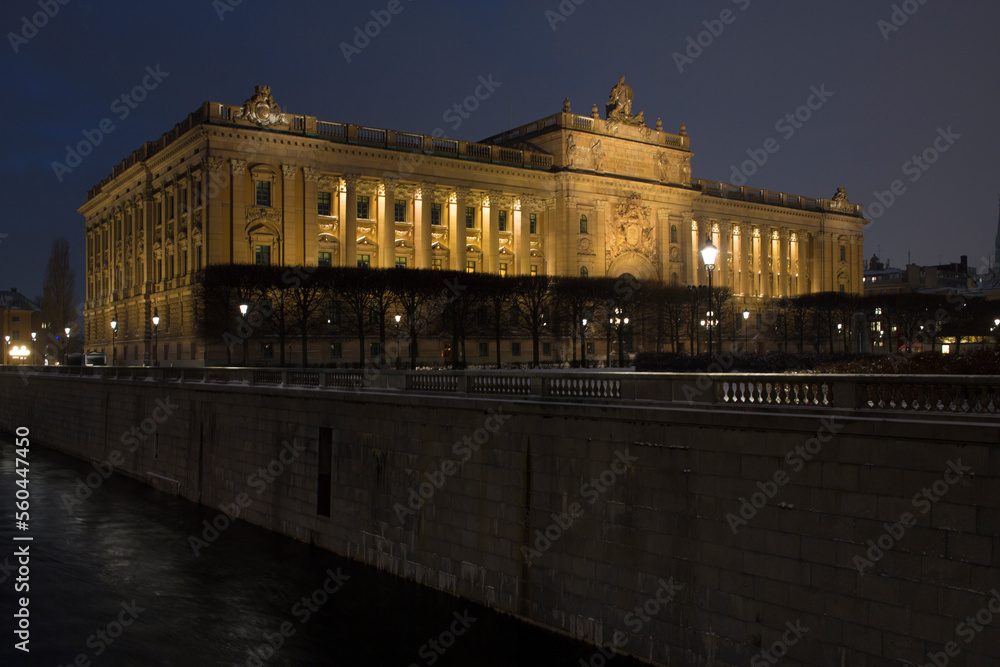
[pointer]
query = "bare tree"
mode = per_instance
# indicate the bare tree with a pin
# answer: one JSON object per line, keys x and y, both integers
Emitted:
{"x": 58, "y": 307}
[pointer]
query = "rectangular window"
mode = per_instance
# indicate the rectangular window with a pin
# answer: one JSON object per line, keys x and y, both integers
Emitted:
{"x": 547, "y": 349}
{"x": 503, "y": 269}
{"x": 399, "y": 211}
{"x": 336, "y": 351}
{"x": 470, "y": 217}
{"x": 170, "y": 207}
{"x": 324, "y": 472}
{"x": 262, "y": 190}
{"x": 502, "y": 217}
{"x": 364, "y": 261}
{"x": 159, "y": 270}
{"x": 435, "y": 265}
{"x": 15, "y": 318}
{"x": 470, "y": 266}
{"x": 324, "y": 204}
{"x": 590, "y": 347}
{"x": 400, "y": 262}
{"x": 333, "y": 317}
{"x": 184, "y": 201}
{"x": 376, "y": 350}
{"x": 484, "y": 349}
{"x": 534, "y": 270}
{"x": 325, "y": 259}
{"x": 515, "y": 349}
{"x": 435, "y": 214}
{"x": 363, "y": 206}
{"x": 262, "y": 255}
{"x": 533, "y": 223}
{"x": 15, "y": 334}
{"x": 184, "y": 262}
{"x": 197, "y": 258}
{"x": 843, "y": 253}
{"x": 170, "y": 267}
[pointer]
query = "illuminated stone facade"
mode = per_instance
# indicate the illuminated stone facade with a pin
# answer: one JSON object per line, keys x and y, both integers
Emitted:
{"x": 565, "y": 195}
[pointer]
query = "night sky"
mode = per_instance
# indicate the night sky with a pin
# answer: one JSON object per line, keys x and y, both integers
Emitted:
{"x": 894, "y": 92}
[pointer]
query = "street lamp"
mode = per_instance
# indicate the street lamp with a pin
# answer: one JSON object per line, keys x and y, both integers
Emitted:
{"x": 708, "y": 255}
{"x": 746, "y": 338}
{"x": 6, "y": 348}
{"x": 66, "y": 350}
{"x": 114, "y": 336}
{"x": 398, "y": 318}
{"x": 583, "y": 343}
{"x": 33, "y": 336}
{"x": 243, "y": 313}
{"x": 156, "y": 332}
{"x": 620, "y": 323}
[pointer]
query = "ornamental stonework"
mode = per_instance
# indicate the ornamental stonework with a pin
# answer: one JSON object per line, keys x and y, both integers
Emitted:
{"x": 631, "y": 230}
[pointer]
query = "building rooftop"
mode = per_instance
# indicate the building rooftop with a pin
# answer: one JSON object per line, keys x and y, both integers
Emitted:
{"x": 14, "y": 300}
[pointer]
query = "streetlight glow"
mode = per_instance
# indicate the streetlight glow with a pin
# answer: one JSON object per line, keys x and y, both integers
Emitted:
{"x": 709, "y": 253}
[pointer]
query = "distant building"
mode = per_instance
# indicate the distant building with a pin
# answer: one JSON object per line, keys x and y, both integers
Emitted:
{"x": 19, "y": 316}
{"x": 879, "y": 278}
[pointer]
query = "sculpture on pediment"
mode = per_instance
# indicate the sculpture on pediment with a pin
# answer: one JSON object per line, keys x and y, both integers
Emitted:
{"x": 840, "y": 202}
{"x": 619, "y": 107}
{"x": 261, "y": 109}
{"x": 663, "y": 166}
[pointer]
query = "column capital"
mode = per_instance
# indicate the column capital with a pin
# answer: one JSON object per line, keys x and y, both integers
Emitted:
{"x": 311, "y": 175}
{"x": 238, "y": 166}
{"x": 351, "y": 180}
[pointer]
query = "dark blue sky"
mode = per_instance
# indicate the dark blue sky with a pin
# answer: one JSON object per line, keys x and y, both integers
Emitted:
{"x": 890, "y": 96}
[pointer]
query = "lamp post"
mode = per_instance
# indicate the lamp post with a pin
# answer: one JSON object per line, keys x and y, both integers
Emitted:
{"x": 66, "y": 351}
{"x": 619, "y": 323}
{"x": 583, "y": 343}
{"x": 746, "y": 337}
{"x": 243, "y": 313}
{"x": 33, "y": 336}
{"x": 156, "y": 333}
{"x": 114, "y": 336}
{"x": 708, "y": 255}
{"x": 398, "y": 318}
{"x": 6, "y": 349}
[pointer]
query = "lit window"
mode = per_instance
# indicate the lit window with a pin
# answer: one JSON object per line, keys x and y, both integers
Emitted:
{"x": 502, "y": 217}
{"x": 262, "y": 255}
{"x": 400, "y": 262}
{"x": 533, "y": 223}
{"x": 399, "y": 211}
{"x": 534, "y": 270}
{"x": 323, "y": 203}
{"x": 583, "y": 224}
{"x": 503, "y": 269}
{"x": 470, "y": 266}
{"x": 364, "y": 261}
{"x": 584, "y": 272}
{"x": 470, "y": 217}
{"x": 673, "y": 233}
{"x": 435, "y": 265}
{"x": 325, "y": 259}
{"x": 363, "y": 207}
{"x": 435, "y": 214}
{"x": 263, "y": 193}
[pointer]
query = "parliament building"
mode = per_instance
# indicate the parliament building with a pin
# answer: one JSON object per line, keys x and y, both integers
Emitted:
{"x": 566, "y": 195}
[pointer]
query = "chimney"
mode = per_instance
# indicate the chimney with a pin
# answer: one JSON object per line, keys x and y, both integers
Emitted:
{"x": 14, "y": 290}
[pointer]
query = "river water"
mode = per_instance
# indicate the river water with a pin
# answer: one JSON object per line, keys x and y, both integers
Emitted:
{"x": 114, "y": 581}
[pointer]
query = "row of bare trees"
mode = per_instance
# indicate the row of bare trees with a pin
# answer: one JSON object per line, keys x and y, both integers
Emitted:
{"x": 285, "y": 303}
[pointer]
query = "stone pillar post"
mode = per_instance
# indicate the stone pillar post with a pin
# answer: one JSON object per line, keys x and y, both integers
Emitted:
{"x": 349, "y": 223}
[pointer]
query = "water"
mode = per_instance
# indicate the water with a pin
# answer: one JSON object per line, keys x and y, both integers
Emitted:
{"x": 123, "y": 557}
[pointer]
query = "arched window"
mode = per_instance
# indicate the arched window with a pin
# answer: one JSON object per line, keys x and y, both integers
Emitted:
{"x": 583, "y": 224}
{"x": 673, "y": 233}
{"x": 673, "y": 279}
{"x": 583, "y": 272}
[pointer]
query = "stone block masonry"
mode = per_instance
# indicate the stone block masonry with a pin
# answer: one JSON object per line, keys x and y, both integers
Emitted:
{"x": 626, "y": 494}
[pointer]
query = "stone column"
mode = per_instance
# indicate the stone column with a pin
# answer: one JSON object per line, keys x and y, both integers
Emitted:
{"x": 239, "y": 247}
{"x": 349, "y": 223}
{"x": 687, "y": 274}
{"x": 387, "y": 224}
{"x": 456, "y": 230}
{"x": 491, "y": 234}
{"x": 310, "y": 216}
{"x": 189, "y": 221}
{"x": 782, "y": 277}
{"x": 422, "y": 238}
{"x": 766, "y": 262}
{"x": 291, "y": 213}
{"x": 722, "y": 264}
{"x": 522, "y": 236}
{"x": 701, "y": 230}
